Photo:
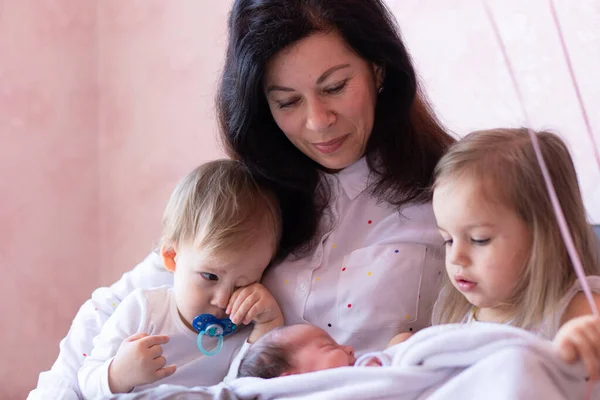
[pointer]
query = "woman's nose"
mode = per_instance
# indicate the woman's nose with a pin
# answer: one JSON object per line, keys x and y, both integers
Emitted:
{"x": 319, "y": 116}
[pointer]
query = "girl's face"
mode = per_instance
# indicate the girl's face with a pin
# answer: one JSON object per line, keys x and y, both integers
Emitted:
{"x": 487, "y": 245}
{"x": 322, "y": 96}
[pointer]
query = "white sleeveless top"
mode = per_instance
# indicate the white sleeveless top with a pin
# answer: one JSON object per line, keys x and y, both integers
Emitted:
{"x": 550, "y": 326}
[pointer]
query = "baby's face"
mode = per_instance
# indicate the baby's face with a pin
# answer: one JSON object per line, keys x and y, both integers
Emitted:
{"x": 315, "y": 350}
{"x": 204, "y": 282}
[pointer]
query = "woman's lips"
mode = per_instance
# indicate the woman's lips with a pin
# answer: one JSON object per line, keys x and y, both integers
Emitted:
{"x": 330, "y": 146}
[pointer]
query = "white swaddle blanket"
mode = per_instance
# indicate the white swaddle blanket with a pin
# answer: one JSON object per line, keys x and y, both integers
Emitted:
{"x": 491, "y": 361}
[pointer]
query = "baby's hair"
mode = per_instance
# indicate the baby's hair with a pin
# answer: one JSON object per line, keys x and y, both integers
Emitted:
{"x": 219, "y": 206}
{"x": 269, "y": 357}
{"x": 504, "y": 164}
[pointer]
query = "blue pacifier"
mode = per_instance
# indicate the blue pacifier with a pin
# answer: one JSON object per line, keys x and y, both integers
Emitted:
{"x": 208, "y": 324}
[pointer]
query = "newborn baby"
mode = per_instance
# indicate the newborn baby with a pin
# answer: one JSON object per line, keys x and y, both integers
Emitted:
{"x": 298, "y": 349}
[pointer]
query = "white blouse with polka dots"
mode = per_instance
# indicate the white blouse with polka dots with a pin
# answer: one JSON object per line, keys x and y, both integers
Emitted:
{"x": 375, "y": 274}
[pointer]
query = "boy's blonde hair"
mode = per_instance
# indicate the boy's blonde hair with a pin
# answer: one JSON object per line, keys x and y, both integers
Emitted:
{"x": 219, "y": 206}
{"x": 505, "y": 164}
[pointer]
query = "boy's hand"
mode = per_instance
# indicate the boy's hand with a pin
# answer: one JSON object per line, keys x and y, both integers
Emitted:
{"x": 579, "y": 339}
{"x": 138, "y": 361}
{"x": 255, "y": 303}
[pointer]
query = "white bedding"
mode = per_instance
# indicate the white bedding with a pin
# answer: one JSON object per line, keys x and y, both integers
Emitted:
{"x": 485, "y": 361}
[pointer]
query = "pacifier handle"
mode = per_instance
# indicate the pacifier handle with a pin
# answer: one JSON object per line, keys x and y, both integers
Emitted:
{"x": 214, "y": 351}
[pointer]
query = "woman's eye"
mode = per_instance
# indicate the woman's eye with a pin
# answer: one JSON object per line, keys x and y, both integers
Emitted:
{"x": 210, "y": 277}
{"x": 480, "y": 242}
{"x": 286, "y": 104}
{"x": 447, "y": 242}
{"x": 336, "y": 89}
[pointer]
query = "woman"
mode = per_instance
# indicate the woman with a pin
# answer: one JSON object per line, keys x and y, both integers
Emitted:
{"x": 320, "y": 99}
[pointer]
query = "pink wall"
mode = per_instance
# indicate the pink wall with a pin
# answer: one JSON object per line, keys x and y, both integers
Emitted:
{"x": 104, "y": 105}
{"x": 458, "y": 57}
{"x": 159, "y": 64}
{"x": 48, "y": 179}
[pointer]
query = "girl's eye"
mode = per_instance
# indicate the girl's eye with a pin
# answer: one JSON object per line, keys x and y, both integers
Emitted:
{"x": 210, "y": 277}
{"x": 337, "y": 88}
{"x": 480, "y": 242}
{"x": 447, "y": 242}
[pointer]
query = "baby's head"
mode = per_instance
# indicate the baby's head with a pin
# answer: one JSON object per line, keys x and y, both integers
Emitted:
{"x": 504, "y": 250}
{"x": 220, "y": 231}
{"x": 294, "y": 349}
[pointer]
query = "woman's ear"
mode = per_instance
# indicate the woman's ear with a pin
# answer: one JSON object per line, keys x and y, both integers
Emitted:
{"x": 379, "y": 73}
{"x": 168, "y": 254}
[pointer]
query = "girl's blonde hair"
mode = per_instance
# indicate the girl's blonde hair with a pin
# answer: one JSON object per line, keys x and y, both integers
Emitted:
{"x": 505, "y": 164}
{"x": 220, "y": 207}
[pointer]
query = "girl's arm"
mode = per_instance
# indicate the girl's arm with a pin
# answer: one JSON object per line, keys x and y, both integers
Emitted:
{"x": 579, "y": 335}
{"x": 399, "y": 338}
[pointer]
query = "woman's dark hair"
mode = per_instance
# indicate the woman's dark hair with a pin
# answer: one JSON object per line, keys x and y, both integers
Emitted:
{"x": 406, "y": 141}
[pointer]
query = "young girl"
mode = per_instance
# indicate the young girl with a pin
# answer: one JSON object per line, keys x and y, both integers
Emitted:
{"x": 505, "y": 258}
{"x": 221, "y": 230}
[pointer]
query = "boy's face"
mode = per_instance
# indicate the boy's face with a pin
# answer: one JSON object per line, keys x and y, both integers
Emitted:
{"x": 315, "y": 350}
{"x": 204, "y": 282}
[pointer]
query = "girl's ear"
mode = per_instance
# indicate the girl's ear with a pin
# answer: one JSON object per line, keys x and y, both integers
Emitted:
{"x": 168, "y": 254}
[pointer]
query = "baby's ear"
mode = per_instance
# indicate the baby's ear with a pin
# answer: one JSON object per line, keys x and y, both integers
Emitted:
{"x": 168, "y": 254}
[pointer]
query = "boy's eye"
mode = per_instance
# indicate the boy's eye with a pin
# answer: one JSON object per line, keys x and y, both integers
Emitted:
{"x": 480, "y": 242}
{"x": 209, "y": 276}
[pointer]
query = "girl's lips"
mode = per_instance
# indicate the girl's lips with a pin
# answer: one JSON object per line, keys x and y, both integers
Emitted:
{"x": 463, "y": 284}
{"x": 330, "y": 146}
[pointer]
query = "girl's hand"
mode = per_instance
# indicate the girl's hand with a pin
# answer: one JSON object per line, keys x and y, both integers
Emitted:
{"x": 579, "y": 339}
{"x": 255, "y": 303}
{"x": 139, "y": 361}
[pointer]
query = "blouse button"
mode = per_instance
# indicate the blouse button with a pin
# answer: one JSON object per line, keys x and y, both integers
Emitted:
{"x": 303, "y": 287}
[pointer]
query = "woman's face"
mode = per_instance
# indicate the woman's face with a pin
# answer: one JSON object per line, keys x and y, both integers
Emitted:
{"x": 322, "y": 96}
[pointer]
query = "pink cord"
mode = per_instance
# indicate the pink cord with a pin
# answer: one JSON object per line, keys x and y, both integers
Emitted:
{"x": 574, "y": 80}
{"x": 566, "y": 234}
{"x": 551, "y": 191}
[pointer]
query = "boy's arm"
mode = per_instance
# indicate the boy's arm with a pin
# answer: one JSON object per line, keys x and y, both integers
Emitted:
{"x": 60, "y": 382}
{"x": 125, "y": 321}
{"x": 254, "y": 303}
